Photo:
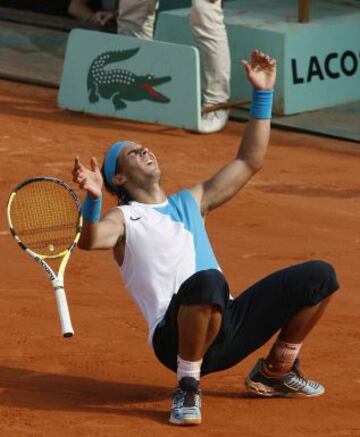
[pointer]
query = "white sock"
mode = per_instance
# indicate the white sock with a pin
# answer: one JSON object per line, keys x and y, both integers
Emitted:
{"x": 188, "y": 368}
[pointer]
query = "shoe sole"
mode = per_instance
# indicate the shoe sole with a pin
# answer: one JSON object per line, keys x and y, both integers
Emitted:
{"x": 185, "y": 422}
{"x": 268, "y": 392}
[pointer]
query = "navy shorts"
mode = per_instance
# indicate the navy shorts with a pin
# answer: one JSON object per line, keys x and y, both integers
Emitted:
{"x": 251, "y": 319}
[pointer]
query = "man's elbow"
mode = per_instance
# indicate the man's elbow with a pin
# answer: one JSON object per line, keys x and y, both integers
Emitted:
{"x": 254, "y": 162}
{"x": 255, "y": 165}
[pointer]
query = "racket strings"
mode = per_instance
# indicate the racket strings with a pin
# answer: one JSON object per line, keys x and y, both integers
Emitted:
{"x": 53, "y": 247}
{"x": 45, "y": 217}
{"x": 48, "y": 229}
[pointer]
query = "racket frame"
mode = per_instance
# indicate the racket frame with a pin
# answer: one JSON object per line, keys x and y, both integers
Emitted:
{"x": 57, "y": 280}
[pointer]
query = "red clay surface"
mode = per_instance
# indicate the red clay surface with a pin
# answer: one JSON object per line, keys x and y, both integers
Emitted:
{"x": 105, "y": 381}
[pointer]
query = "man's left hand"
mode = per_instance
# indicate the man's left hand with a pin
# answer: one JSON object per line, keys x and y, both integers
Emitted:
{"x": 261, "y": 70}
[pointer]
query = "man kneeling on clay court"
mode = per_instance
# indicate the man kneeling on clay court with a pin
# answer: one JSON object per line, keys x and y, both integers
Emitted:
{"x": 168, "y": 265}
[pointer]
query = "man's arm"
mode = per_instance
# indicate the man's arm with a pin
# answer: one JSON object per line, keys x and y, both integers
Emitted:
{"x": 221, "y": 187}
{"x": 97, "y": 233}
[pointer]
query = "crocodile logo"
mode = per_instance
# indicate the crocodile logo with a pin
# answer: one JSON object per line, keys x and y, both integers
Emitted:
{"x": 118, "y": 84}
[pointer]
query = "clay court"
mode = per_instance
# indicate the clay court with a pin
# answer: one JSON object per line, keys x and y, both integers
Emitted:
{"x": 105, "y": 381}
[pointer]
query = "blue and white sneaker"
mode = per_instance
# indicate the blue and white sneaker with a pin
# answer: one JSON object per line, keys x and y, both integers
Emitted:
{"x": 293, "y": 384}
{"x": 186, "y": 403}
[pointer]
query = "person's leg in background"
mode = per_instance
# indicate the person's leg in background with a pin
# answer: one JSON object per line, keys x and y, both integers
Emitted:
{"x": 209, "y": 32}
{"x": 137, "y": 18}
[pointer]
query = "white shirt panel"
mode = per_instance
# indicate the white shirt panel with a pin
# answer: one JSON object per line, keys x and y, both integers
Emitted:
{"x": 159, "y": 257}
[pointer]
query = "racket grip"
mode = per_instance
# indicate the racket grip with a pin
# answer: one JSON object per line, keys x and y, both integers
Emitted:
{"x": 63, "y": 310}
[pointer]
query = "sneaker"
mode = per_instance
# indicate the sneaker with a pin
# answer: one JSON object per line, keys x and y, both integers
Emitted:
{"x": 186, "y": 403}
{"x": 293, "y": 384}
{"x": 214, "y": 121}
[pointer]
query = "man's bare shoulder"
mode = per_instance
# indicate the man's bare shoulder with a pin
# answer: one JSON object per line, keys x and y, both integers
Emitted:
{"x": 115, "y": 215}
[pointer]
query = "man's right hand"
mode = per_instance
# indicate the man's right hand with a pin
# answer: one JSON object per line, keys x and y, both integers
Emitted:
{"x": 87, "y": 179}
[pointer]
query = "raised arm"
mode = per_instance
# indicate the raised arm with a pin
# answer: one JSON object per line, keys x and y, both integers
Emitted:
{"x": 98, "y": 233}
{"x": 261, "y": 73}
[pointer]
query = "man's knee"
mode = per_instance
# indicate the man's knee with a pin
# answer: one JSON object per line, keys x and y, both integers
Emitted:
{"x": 207, "y": 287}
{"x": 322, "y": 280}
{"x": 322, "y": 271}
{"x": 210, "y": 278}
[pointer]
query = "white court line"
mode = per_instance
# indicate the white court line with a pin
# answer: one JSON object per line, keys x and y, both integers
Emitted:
{"x": 4, "y": 232}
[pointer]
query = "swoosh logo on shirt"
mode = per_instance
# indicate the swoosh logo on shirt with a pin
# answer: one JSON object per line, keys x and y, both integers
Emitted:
{"x": 134, "y": 219}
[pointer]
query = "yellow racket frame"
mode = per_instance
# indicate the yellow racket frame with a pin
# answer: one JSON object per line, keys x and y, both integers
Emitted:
{"x": 57, "y": 280}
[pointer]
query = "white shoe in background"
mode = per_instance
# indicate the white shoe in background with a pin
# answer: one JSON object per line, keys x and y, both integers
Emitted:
{"x": 214, "y": 121}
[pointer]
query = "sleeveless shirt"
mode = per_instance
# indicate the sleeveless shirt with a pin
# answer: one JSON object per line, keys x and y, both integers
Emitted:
{"x": 164, "y": 245}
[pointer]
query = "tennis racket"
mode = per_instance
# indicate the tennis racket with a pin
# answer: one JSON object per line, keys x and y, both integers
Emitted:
{"x": 45, "y": 219}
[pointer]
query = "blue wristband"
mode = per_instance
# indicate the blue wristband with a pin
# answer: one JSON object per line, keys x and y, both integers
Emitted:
{"x": 261, "y": 105}
{"x": 91, "y": 208}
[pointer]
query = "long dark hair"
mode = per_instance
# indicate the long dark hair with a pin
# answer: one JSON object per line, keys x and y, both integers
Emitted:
{"x": 122, "y": 195}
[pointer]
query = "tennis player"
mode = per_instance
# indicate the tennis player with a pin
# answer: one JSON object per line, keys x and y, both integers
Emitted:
{"x": 167, "y": 263}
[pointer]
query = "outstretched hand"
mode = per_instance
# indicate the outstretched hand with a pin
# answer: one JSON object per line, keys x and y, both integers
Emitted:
{"x": 87, "y": 179}
{"x": 261, "y": 70}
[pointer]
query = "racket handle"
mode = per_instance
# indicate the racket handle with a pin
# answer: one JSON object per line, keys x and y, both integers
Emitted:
{"x": 63, "y": 310}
